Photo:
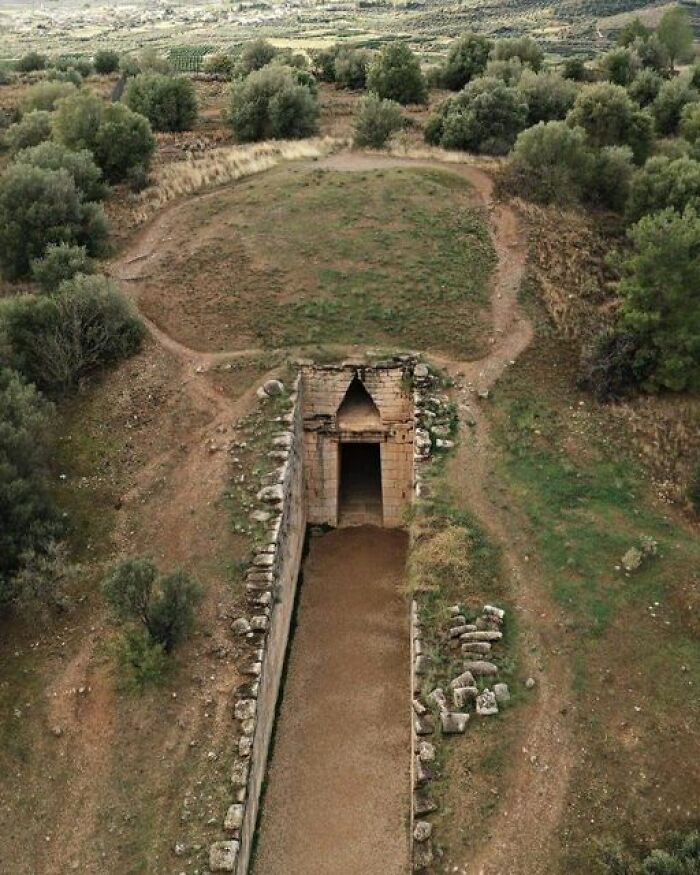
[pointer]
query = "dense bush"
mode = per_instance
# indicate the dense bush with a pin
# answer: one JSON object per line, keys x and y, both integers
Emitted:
{"x": 30, "y": 62}
{"x": 163, "y": 603}
{"x": 548, "y": 96}
{"x": 620, "y": 65}
{"x": 611, "y": 118}
{"x": 32, "y": 129}
{"x": 509, "y": 70}
{"x": 670, "y": 102}
{"x": 140, "y": 660}
{"x": 271, "y": 104}
{"x": 395, "y": 74}
{"x": 28, "y": 519}
{"x": 39, "y": 207}
{"x": 486, "y": 116}
{"x": 660, "y": 294}
{"x": 552, "y": 162}
{"x": 690, "y": 123}
{"x": 219, "y": 65}
{"x": 632, "y": 31}
{"x": 376, "y": 121}
{"x": 612, "y": 171}
{"x": 80, "y": 165}
{"x": 676, "y": 33}
{"x": 57, "y": 341}
{"x": 664, "y": 182}
{"x": 574, "y": 69}
{"x": 523, "y": 47}
{"x": 323, "y": 63}
{"x": 168, "y": 102}
{"x": 653, "y": 55}
{"x": 610, "y": 368}
{"x": 119, "y": 138}
{"x": 693, "y": 492}
{"x": 351, "y": 66}
{"x": 106, "y": 61}
{"x": 81, "y": 65}
{"x": 255, "y": 55}
{"x": 44, "y": 95}
{"x": 645, "y": 87}
{"x": 467, "y": 57}
{"x": 61, "y": 262}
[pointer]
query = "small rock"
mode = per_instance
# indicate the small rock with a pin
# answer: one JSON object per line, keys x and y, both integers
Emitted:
{"x": 422, "y": 830}
{"x": 426, "y": 751}
{"x": 423, "y": 804}
{"x": 466, "y": 679}
{"x": 273, "y": 388}
{"x": 482, "y": 668}
{"x": 234, "y": 817}
{"x": 424, "y": 724}
{"x": 486, "y": 704}
{"x": 422, "y": 856}
{"x": 438, "y": 697}
{"x": 423, "y": 664}
{"x": 529, "y": 683}
{"x": 244, "y": 709}
{"x": 240, "y": 626}
{"x": 632, "y": 559}
{"x": 461, "y": 696}
{"x": 57, "y": 731}
{"x": 493, "y": 611}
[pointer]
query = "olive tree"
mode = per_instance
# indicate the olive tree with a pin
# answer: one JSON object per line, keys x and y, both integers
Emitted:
{"x": 611, "y": 118}
{"x": 376, "y": 121}
{"x": 549, "y": 97}
{"x": 467, "y": 57}
{"x": 33, "y": 128}
{"x": 676, "y": 33}
{"x": 271, "y": 104}
{"x": 45, "y": 95}
{"x": 523, "y": 47}
{"x": 665, "y": 182}
{"x": 168, "y": 102}
{"x": 80, "y": 165}
{"x": 670, "y": 102}
{"x": 395, "y": 74}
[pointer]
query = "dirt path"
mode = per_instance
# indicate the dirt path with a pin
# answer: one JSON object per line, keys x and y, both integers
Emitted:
{"x": 338, "y": 783}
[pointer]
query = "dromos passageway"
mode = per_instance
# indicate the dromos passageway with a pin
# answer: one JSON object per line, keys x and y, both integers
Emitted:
{"x": 338, "y": 793}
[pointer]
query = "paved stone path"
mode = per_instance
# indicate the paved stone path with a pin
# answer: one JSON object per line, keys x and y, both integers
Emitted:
{"x": 338, "y": 787}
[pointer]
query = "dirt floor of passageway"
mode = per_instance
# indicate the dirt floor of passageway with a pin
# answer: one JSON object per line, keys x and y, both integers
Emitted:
{"x": 338, "y": 792}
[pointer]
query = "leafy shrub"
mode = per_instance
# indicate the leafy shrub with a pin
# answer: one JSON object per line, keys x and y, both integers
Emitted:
{"x": 690, "y": 122}
{"x": 611, "y": 174}
{"x": 60, "y": 262}
{"x": 30, "y": 62}
{"x": 610, "y": 368}
{"x": 86, "y": 175}
{"x": 140, "y": 660}
{"x": 553, "y": 161}
{"x": 645, "y": 87}
{"x": 255, "y": 55}
{"x": 168, "y": 102}
{"x": 351, "y": 67}
{"x": 32, "y": 129}
{"x": 44, "y": 95}
{"x": 81, "y": 65}
{"x": 70, "y": 76}
{"x": 485, "y": 117}
{"x": 119, "y": 138}
{"x": 610, "y": 118}
{"x": 509, "y": 70}
{"x": 271, "y": 104}
{"x": 376, "y": 121}
{"x": 28, "y": 519}
{"x": 57, "y": 341}
{"x": 548, "y": 96}
{"x": 163, "y": 603}
{"x": 467, "y": 57}
{"x": 664, "y": 182}
{"x": 39, "y": 207}
{"x": 670, "y": 102}
{"x": 523, "y": 47}
{"x": 633, "y": 30}
{"x": 693, "y": 492}
{"x": 395, "y": 74}
{"x": 660, "y": 292}
{"x": 653, "y": 55}
{"x": 620, "y": 65}
{"x": 323, "y": 63}
{"x": 676, "y": 33}
{"x": 574, "y": 69}
{"x": 219, "y": 65}
{"x": 106, "y": 61}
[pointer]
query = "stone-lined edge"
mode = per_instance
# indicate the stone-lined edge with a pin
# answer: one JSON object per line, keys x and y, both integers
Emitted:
{"x": 271, "y": 582}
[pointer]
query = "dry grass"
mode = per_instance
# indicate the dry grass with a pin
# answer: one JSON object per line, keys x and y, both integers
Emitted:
{"x": 441, "y": 559}
{"x": 221, "y": 166}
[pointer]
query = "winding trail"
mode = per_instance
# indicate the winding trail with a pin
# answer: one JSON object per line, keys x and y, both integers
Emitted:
{"x": 521, "y": 834}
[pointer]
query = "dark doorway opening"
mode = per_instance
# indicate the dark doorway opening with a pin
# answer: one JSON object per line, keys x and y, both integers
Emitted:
{"x": 360, "y": 497}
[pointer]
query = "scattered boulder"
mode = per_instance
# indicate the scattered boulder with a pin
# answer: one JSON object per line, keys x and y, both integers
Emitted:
{"x": 271, "y": 494}
{"x": 461, "y": 696}
{"x": 234, "y": 817}
{"x": 453, "y": 722}
{"x": 422, "y": 830}
{"x": 486, "y": 704}
{"x": 426, "y": 751}
{"x": 502, "y": 693}
{"x": 530, "y": 683}
{"x": 240, "y": 626}
{"x": 423, "y": 804}
{"x": 485, "y": 635}
{"x": 425, "y": 724}
{"x": 466, "y": 679}
{"x": 632, "y": 559}
{"x": 244, "y": 709}
{"x": 223, "y": 856}
{"x": 422, "y": 856}
{"x": 273, "y": 387}
{"x": 482, "y": 668}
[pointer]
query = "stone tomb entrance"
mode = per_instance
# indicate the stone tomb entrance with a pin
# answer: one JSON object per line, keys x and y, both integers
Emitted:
{"x": 358, "y": 443}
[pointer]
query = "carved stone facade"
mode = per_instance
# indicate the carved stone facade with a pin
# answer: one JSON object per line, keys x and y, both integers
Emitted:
{"x": 356, "y": 417}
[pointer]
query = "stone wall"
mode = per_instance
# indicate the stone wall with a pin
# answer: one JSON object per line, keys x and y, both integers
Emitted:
{"x": 271, "y": 584}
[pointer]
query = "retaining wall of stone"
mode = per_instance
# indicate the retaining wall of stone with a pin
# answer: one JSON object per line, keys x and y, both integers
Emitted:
{"x": 271, "y": 584}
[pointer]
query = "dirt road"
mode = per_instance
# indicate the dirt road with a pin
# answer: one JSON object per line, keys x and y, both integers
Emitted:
{"x": 338, "y": 784}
